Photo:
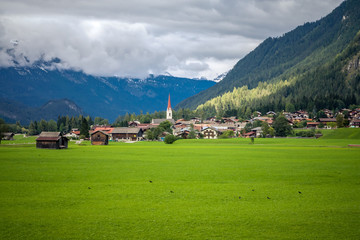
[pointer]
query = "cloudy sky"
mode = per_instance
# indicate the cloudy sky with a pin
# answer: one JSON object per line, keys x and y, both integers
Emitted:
{"x": 190, "y": 38}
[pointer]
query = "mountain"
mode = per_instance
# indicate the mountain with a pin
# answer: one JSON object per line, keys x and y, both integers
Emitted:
{"x": 305, "y": 67}
{"x": 12, "y": 111}
{"x": 28, "y": 88}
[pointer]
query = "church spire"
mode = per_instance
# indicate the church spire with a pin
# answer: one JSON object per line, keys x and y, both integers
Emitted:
{"x": 169, "y": 110}
{"x": 169, "y": 103}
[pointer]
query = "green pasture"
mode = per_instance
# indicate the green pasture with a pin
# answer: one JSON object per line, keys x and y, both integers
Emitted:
{"x": 192, "y": 189}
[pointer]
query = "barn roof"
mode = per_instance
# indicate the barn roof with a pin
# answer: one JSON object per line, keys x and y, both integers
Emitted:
{"x": 99, "y": 131}
{"x": 7, "y": 134}
{"x": 126, "y": 130}
{"x": 49, "y": 136}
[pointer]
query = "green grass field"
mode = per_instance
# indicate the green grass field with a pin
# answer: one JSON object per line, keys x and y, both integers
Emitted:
{"x": 199, "y": 189}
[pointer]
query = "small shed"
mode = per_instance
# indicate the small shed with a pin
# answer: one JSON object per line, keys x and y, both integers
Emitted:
{"x": 51, "y": 140}
{"x": 99, "y": 138}
{"x": 8, "y": 136}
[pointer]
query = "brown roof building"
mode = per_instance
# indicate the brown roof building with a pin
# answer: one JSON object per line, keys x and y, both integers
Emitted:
{"x": 99, "y": 138}
{"x": 51, "y": 140}
{"x": 127, "y": 133}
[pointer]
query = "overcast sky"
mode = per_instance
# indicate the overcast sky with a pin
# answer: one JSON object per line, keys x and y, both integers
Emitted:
{"x": 190, "y": 38}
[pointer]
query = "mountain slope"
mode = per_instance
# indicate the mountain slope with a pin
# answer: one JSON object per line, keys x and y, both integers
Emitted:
{"x": 290, "y": 56}
{"x": 12, "y": 111}
{"x": 333, "y": 85}
{"x": 107, "y": 97}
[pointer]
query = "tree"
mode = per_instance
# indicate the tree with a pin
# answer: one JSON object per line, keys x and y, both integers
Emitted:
{"x": 32, "y": 128}
{"x": 227, "y": 134}
{"x": 52, "y": 126}
{"x": 169, "y": 139}
{"x": 3, "y": 128}
{"x": 248, "y": 127}
{"x": 265, "y": 128}
{"x": 331, "y": 125}
{"x": 271, "y": 131}
{"x": 166, "y": 125}
{"x": 43, "y": 126}
{"x": 289, "y": 107}
{"x": 84, "y": 129}
{"x": 321, "y": 114}
{"x": 282, "y": 127}
{"x": 192, "y": 133}
{"x": 340, "y": 120}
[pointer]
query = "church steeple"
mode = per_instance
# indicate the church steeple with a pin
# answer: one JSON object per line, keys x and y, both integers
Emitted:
{"x": 169, "y": 110}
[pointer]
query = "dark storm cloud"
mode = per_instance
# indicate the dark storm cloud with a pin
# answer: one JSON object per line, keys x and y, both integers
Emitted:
{"x": 138, "y": 37}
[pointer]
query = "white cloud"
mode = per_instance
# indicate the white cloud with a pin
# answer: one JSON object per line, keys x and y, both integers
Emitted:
{"x": 134, "y": 38}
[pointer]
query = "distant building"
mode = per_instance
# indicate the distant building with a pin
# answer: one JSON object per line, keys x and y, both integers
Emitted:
{"x": 99, "y": 138}
{"x": 8, "y": 136}
{"x": 127, "y": 133}
{"x": 51, "y": 140}
{"x": 210, "y": 133}
{"x": 168, "y": 115}
{"x": 160, "y": 120}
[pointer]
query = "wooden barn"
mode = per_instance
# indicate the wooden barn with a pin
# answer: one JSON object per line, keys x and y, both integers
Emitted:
{"x": 124, "y": 133}
{"x": 8, "y": 136}
{"x": 99, "y": 138}
{"x": 51, "y": 140}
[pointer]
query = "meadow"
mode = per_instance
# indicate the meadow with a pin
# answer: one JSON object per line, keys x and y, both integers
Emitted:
{"x": 192, "y": 189}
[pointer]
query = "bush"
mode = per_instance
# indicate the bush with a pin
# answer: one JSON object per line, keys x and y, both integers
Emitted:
{"x": 305, "y": 134}
{"x": 169, "y": 139}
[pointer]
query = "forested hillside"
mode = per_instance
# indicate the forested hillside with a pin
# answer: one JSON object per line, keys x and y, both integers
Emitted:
{"x": 307, "y": 67}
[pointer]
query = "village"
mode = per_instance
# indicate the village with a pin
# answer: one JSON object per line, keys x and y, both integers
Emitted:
{"x": 210, "y": 128}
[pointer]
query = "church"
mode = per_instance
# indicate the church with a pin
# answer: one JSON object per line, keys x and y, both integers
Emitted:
{"x": 168, "y": 115}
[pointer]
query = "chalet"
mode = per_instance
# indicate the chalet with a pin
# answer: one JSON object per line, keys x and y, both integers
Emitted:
{"x": 195, "y": 120}
{"x": 133, "y": 123}
{"x": 212, "y": 119}
{"x": 210, "y": 133}
{"x": 8, "y": 136}
{"x": 241, "y": 125}
{"x": 312, "y": 124}
{"x": 355, "y": 123}
{"x": 327, "y": 120}
{"x": 258, "y": 131}
{"x": 129, "y": 134}
{"x": 249, "y": 134}
{"x": 73, "y": 134}
{"x": 51, "y": 140}
{"x": 99, "y": 138}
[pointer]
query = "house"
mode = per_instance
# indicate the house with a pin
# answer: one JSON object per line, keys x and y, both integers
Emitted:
{"x": 249, "y": 134}
{"x": 133, "y": 123}
{"x": 355, "y": 123}
{"x": 210, "y": 133}
{"x": 8, "y": 136}
{"x": 99, "y": 138}
{"x": 51, "y": 140}
{"x": 258, "y": 131}
{"x": 160, "y": 120}
{"x": 312, "y": 124}
{"x": 73, "y": 134}
{"x": 129, "y": 134}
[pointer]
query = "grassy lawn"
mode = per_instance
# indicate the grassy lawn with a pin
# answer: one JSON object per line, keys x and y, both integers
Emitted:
{"x": 199, "y": 189}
